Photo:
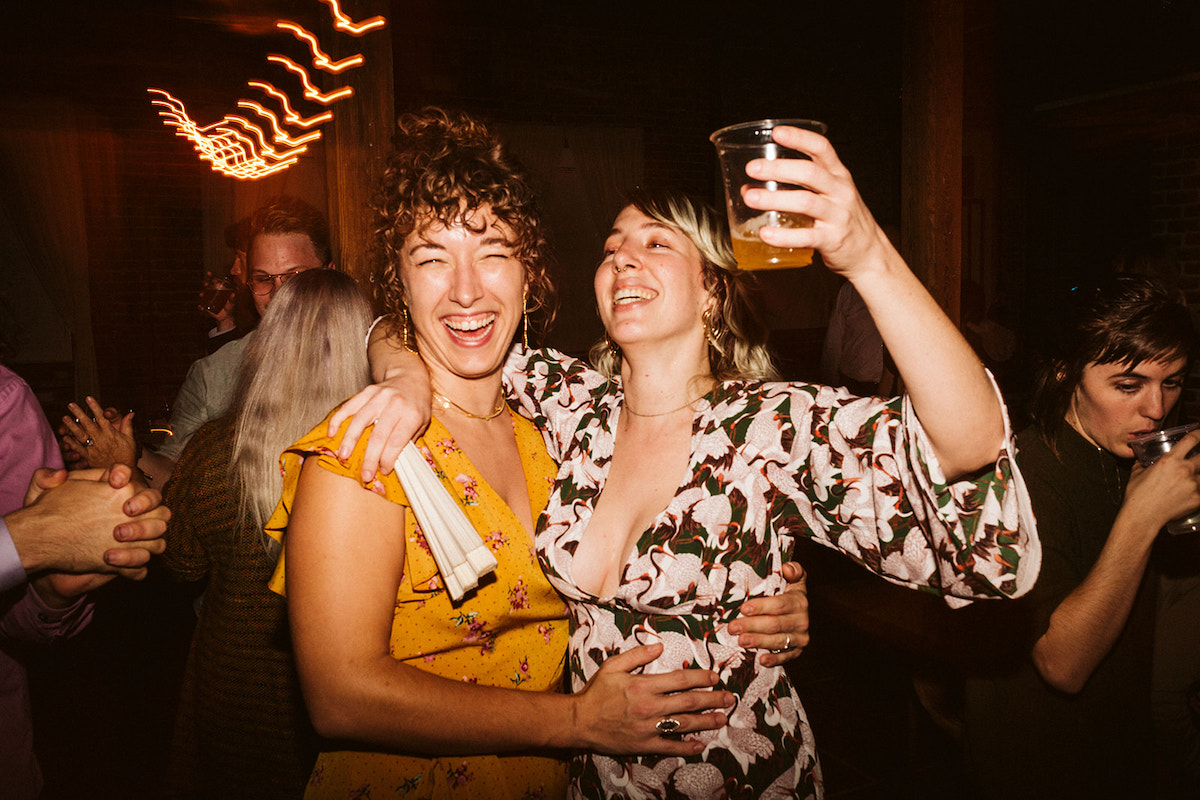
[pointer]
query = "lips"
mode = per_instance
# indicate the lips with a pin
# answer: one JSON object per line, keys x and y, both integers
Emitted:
{"x": 470, "y": 329}
{"x": 632, "y": 294}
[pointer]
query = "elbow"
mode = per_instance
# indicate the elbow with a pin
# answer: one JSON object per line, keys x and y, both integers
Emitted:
{"x": 329, "y": 715}
{"x": 1059, "y": 673}
{"x": 331, "y": 700}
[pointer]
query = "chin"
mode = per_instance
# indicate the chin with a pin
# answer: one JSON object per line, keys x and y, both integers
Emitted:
{"x": 1122, "y": 450}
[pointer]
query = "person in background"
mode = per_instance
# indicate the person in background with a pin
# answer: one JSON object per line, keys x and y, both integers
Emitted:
{"x": 242, "y": 729}
{"x": 58, "y": 539}
{"x": 287, "y": 237}
{"x": 853, "y": 354}
{"x": 238, "y": 316}
{"x": 1070, "y": 717}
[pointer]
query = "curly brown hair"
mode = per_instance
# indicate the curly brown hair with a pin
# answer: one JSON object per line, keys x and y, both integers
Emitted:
{"x": 444, "y": 166}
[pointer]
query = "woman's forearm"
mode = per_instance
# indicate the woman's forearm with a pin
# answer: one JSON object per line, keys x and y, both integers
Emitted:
{"x": 949, "y": 389}
{"x": 345, "y": 560}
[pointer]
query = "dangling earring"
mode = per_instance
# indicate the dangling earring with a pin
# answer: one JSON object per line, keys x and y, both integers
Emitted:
{"x": 404, "y": 330}
{"x": 525, "y": 318}
{"x": 712, "y": 330}
{"x": 614, "y": 349}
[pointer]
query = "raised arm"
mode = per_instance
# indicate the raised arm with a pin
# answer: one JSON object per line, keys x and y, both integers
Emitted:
{"x": 948, "y": 386}
{"x": 345, "y": 559}
{"x": 1086, "y": 624}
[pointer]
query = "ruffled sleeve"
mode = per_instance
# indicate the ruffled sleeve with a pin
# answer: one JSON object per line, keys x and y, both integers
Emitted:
{"x": 420, "y": 568}
{"x": 859, "y": 475}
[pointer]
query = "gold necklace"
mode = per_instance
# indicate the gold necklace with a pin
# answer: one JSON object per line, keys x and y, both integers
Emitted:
{"x": 448, "y": 403}
{"x": 629, "y": 408}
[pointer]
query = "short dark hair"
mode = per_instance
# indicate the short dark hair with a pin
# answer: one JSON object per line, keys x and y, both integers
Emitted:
{"x": 285, "y": 214}
{"x": 1117, "y": 319}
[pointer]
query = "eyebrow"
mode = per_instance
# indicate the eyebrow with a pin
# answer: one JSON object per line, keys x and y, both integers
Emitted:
{"x": 1133, "y": 373}
{"x": 654, "y": 224}
{"x": 490, "y": 241}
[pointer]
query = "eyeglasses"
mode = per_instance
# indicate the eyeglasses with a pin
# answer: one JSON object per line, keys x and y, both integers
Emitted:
{"x": 262, "y": 283}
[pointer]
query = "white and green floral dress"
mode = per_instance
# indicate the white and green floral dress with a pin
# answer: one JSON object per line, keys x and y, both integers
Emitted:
{"x": 770, "y": 462}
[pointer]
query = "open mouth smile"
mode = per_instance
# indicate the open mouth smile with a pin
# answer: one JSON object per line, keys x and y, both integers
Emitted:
{"x": 632, "y": 294}
{"x": 470, "y": 328}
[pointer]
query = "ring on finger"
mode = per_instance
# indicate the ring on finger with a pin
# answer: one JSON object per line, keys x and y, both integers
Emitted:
{"x": 787, "y": 645}
{"x": 667, "y": 725}
{"x": 88, "y": 442}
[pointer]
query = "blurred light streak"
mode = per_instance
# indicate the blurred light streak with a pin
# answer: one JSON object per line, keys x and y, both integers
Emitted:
{"x": 344, "y": 23}
{"x": 280, "y": 135}
{"x": 258, "y": 134}
{"x": 310, "y": 91}
{"x": 289, "y": 115}
{"x": 320, "y": 59}
{"x": 229, "y": 152}
{"x": 232, "y": 152}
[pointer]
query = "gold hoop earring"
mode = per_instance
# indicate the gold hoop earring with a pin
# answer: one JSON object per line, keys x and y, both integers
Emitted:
{"x": 712, "y": 330}
{"x": 525, "y": 318}
{"x": 404, "y": 331}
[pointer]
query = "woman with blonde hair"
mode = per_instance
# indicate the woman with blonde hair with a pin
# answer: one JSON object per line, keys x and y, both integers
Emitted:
{"x": 241, "y": 728}
{"x": 686, "y": 478}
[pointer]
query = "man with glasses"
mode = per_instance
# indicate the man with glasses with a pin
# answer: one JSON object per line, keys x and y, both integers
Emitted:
{"x": 287, "y": 237}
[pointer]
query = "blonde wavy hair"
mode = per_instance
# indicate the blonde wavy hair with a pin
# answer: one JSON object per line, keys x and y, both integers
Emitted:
{"x": 737, "y": 349}
{"x": 307, "y": 356}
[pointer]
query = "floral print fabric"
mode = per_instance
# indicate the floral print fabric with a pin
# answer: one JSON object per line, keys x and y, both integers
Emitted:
{"x": 510, "y": 632}
{"x": 770, "y": 462}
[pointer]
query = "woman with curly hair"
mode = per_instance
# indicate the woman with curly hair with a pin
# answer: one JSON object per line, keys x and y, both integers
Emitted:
{"x": 442, "y": 697}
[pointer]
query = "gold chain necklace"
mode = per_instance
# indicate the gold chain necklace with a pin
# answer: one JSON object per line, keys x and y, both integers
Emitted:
{"x": 448, "y": 403}
{"x": 629, "y": 408}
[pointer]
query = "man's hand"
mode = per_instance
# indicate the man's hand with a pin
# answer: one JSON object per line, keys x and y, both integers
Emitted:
{"x": 95, "y": 522}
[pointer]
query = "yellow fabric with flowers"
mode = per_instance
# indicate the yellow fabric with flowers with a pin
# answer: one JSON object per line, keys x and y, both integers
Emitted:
{"x": 509, "y": 632}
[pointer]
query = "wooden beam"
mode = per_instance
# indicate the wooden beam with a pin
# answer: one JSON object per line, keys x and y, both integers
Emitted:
{"x": 359, "y": 137}
{"x": 932, "y": 147}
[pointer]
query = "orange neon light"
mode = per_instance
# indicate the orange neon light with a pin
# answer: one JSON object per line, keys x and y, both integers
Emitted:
{"x": 310, "y": 91}
{"x": 344, "y": 23}
{"x": 320, "y": 59}
{"x": 237, "y": 147}
{"x": 261, "y": 136}
{"x": 229, "y": 152}
{"x": 289, "y": 115}
{"x": 280, "y": 135}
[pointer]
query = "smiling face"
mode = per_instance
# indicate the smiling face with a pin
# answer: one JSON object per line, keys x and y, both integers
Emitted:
{"x": 650, "y": 285}
{"x": 1114, "y": 402}
{"x": 464, "y": 290}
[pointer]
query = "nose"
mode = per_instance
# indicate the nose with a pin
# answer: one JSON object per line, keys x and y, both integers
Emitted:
{"x": 467, "y": 288}
{"x": 1154, "y": 406}
{"x": 622, "y": 259}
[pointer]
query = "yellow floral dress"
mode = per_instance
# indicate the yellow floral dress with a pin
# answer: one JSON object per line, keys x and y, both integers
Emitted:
{"x": 510, "y": 632}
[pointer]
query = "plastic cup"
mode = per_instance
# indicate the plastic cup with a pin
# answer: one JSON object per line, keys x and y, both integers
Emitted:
{"x": 736, "y": 146}
{"x": 214, "y": 296}
{"x": 1149, "y": 447}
